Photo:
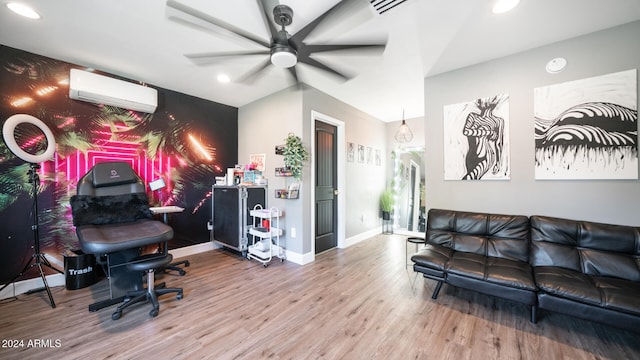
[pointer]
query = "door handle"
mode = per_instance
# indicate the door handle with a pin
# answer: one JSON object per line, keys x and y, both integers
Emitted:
{"x": 336, "y": 192}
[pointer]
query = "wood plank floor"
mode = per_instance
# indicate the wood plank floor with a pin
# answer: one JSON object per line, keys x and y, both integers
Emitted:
{"x": 354, "y": 303}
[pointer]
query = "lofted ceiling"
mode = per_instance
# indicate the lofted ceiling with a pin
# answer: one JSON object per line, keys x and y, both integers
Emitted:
{"x": 146, "y": 41}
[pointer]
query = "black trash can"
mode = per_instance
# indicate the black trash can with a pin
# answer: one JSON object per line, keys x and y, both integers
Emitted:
{"x": 79, "y": 270}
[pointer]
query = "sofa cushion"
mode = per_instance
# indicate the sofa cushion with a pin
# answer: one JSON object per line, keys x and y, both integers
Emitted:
{"x": 608, "y": 264}
{"x": 607, "y": 292}
{"x": 432, "y": 256}
{"x": 515, "y": 274}
{"x": 501, "y": 236}
{"x": 587, "y": 247}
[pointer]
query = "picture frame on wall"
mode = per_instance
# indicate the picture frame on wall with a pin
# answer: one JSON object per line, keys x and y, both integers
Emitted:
{"x": 351, "y": 152}
{"x": 360, "y": 154}
{"x": 476, "y": 139}
{"x": 258, "y": 160}
{"x": 587, "y": 129}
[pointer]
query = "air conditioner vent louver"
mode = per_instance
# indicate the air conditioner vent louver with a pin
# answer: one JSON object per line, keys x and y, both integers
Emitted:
{"x": 98, "y": 89}
{"x": 383, "y": 6}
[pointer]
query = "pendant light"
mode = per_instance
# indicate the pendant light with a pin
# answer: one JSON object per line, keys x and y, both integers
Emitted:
{"x": 404, "y": 134}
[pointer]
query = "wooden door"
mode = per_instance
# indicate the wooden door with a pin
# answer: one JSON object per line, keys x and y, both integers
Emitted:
{"x": 325, "y": 186}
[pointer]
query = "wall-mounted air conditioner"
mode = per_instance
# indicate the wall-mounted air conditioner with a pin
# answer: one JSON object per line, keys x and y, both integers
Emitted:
{"x": 98, "y": 89}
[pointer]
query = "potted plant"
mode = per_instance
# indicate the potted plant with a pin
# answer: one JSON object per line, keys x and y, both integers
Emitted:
{"x": 295, "y": 154}
{"x": 386, "y": 203}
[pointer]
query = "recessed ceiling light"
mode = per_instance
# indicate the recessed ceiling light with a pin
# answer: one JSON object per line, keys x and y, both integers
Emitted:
{"x": 502, "y": 6}
{"x": 24, "y": 10}
{"x": 556, "y": 65}
{"x": 223, "y": 78}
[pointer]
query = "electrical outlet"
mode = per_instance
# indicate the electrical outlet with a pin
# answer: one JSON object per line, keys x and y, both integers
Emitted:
{"x": 293, "y": 232}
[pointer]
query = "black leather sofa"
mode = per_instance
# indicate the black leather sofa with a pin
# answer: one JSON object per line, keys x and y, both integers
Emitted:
{"x": 584, "y": 269}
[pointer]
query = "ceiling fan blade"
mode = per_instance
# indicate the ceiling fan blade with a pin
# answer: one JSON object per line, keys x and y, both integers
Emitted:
{"x": 266, "y": 10}
{"x": 225, "y": 54}
{"x": 309, "y": 61}
{"x": 250, "y": 76}
{"x": 213, "y": 57}
{"x": 211, "y": 20}
{"x": 193, "y": 25}
{"x": 294, "y": 74}
{"x": 323, "y": 48}
{"x": 299, "y": 36}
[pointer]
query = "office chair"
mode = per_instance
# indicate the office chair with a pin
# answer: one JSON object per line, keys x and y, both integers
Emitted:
{"x": 112, "y": 217}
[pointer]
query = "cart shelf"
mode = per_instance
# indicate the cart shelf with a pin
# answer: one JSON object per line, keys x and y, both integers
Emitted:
{"x": 266, "y": 233}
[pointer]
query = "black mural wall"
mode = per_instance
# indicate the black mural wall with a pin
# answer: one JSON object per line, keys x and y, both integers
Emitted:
{"x": 187, "y": 142}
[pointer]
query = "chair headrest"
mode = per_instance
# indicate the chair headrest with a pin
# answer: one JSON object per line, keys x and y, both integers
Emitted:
{"x": 113, "y": 173}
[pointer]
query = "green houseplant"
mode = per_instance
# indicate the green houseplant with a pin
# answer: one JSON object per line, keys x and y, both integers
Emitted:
{"x": 386, "y": 203}
{"x": 295, "y": 154}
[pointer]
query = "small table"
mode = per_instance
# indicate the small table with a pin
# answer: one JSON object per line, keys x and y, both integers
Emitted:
{"x": 164, "y": 210}
{"x": 412, "y": 240}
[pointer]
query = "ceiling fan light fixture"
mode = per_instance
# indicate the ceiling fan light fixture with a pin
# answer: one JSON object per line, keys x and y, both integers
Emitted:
{"x": 283, "y": 57}
{"x": 502, "y": 6}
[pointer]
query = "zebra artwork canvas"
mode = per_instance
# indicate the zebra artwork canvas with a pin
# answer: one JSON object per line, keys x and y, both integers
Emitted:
{"x": 476, "y": 136}
{"x": 587, "y": 129}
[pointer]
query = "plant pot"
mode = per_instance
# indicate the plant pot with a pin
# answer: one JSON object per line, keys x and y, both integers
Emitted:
{"x": 386, "y": 215}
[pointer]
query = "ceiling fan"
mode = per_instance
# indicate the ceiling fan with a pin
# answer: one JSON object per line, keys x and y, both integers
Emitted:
{"x": 284, "y": 50}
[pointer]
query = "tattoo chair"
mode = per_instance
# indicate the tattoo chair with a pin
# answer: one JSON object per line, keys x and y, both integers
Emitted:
{"x": 113, "y": 221}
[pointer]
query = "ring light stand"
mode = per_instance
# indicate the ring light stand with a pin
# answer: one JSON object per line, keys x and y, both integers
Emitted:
{"x": 8, "y": 133}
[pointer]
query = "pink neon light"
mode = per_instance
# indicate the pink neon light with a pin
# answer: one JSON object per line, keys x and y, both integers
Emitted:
{"x": 110, "y": 150}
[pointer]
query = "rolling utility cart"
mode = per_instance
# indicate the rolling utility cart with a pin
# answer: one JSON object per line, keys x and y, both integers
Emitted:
{"x": 266, "y": 234}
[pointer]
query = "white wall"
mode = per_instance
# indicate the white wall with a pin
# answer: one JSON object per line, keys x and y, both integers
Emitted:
{"x": 266, "y": 122}
{"x": 364, "y": 182}
{"x": 262, "y": 125}
{"x": 600, "y": 53}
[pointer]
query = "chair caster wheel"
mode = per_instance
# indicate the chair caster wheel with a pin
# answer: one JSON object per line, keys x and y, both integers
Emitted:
{"x": 265, "y": 265}
{"x": 154, "y": 312}
{"x": 116, "y": 315}
{"x": 186, "y": 263}
{"x": 179, "y": 296}
{"x": 181, "y": 272}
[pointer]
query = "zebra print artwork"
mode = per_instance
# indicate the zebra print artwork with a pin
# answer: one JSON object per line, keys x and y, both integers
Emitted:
{"x": 587, "y": 129}
{"x": 476, "y": 139}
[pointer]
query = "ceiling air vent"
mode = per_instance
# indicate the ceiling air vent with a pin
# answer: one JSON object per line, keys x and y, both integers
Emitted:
{"x": 383, "y": 6}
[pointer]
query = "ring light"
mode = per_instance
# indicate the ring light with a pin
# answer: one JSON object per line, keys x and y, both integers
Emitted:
{"x": 8, "y": 133}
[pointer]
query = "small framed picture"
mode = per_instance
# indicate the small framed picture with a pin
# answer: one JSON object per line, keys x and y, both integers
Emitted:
{"x": 361, "y": 154}
{"x": 257, "y": 160}
{"x": 351, "y": 152}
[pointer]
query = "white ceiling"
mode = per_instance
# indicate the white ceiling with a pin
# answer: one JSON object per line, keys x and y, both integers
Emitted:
{"x": 137, "y": 40}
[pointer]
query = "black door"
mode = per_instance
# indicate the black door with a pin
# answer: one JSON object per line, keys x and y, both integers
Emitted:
{"x": 326, "y": 180}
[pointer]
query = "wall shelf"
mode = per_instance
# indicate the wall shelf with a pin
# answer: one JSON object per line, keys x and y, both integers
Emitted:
{"x": 286, "y": 194}
{"x": 284, "y": 172}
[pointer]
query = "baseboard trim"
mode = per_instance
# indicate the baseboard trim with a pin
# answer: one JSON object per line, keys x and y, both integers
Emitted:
{"x": 193, "y": 249}
{"x": 23, "y": 286}
{"x": 360, "y": 237}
